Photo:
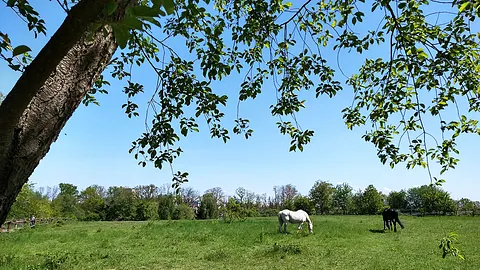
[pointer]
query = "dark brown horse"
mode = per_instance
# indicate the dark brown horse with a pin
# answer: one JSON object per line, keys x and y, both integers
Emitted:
{"x": 389, "y": 216}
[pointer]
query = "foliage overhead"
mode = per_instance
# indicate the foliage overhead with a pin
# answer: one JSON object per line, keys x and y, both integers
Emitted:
{"x": 431, "y": 65}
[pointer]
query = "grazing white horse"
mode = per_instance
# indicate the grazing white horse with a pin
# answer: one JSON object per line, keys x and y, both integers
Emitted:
{"x": 295, "y": 217}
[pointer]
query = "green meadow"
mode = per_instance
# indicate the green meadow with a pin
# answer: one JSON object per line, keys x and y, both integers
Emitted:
{"x": 338, "y": 242}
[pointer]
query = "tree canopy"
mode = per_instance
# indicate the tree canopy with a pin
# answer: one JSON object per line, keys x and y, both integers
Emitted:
{"x": 122, "y": 203}
{"x": 403, "y": 98}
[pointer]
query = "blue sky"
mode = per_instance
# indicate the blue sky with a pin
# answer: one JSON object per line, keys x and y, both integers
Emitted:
{"x": 93, "y": 147}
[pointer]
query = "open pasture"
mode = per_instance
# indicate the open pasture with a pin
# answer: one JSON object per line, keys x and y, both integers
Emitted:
{"x": 337, "y": 242}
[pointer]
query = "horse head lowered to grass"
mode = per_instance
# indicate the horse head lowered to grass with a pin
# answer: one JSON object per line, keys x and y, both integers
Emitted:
{"x": 295, "y": 217}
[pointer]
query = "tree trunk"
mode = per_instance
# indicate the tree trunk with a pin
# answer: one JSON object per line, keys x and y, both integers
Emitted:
{"x": 47, "y": 94}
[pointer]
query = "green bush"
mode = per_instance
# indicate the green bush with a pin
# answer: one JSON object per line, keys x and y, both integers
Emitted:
{"x": 183, "y": 211}
{"x": 166, "y": 206}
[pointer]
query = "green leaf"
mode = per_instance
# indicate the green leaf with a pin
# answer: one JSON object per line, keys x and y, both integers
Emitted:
{"x": 122, "y": 35}
{"x": 150, "y": 20}
{"x": 21, "y": 49}
{"x": 110, "y": 7}
{"x": 463, "y": 6}
{"x": 132, "y": 22}
{"x": 169, "y": 6}
{"x": 93, "y": 29}
{"x": 144, "y": 11}
{"x": 11, "y": 3}
{"x": 184, "y": 131}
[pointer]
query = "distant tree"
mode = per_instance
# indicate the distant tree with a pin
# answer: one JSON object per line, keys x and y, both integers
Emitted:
{"x": 166, "y": 206}
{"x": 183, "y": 211}
{"x": 190, "y": 196}
{"x": 218, "y": 194}
{"x": 141, "y": 210}
{"x": 146, "y": 210}
{"x": 92, "y": 202}
{"x": 303, "y": 203}
{"x": 383, "y": 197}
{"x": 343, "y": 198}
{"x": 165, "y": 189}
{"x": 398, "y": 199}
{"x": 322, "y": 196}
{"x": 250, "y": 197}
{"x": 52, "y": 192}
{"x": 233, "y": 210}
{"x": 477, "y": 206}
{"x": 245, "y": 197}
{"x": 416, "y": 199}
{"x": 467, "y": 206}
{"x": 66, "y": 203}
{"x": 120, "y": 203}
{"x": 261, "y": 200}
{"x": 276, "y": 201}
{"x": 429, "y": 199}
{"x": 372, "y": 201}
{"x": 368, "y": 202}
{"x": 288, "y": 204}
{"x": 289, "y": 192}
{"x": 23, "y": 206}
{"x": 30, "y": 202}
{"x": 208, "y": 208}
{"x": 147, "y": 192}
{"x": 240, "y": 194}
{"x": 284, "y": 195}
{"x": 357, "y": 203}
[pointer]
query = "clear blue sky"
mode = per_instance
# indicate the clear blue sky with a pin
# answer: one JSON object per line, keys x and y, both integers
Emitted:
{"x": 93, "y": 147}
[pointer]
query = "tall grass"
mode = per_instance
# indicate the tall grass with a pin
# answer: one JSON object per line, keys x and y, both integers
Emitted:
{"x": 338, "y": 242}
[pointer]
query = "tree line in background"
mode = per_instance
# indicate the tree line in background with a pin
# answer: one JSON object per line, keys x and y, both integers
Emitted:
{"x": 149, "y": 202}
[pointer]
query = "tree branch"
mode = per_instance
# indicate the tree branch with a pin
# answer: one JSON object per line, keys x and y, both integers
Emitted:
{"x": 296, "y": 13}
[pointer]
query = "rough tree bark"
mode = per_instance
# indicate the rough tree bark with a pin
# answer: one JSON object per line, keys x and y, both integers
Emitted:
{"x": 48, "y": 92}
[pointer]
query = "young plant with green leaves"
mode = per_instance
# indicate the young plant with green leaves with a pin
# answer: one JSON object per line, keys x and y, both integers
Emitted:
{"x": 448, "y": 247}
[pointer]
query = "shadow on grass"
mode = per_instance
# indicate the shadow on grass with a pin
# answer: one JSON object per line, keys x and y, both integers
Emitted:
{"x": 295, "y": 233}
{"x": 377, "y": 231}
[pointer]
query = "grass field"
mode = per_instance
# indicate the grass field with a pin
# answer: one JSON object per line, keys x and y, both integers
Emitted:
{"x": 338, "y": 242}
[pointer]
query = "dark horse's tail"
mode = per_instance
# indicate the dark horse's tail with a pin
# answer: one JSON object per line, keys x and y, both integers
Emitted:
{"x": 398, "y": 220}
{"x": 400, "y": 223}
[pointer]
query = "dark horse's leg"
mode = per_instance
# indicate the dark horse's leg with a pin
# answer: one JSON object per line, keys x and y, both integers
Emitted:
{"x": 385, "y": 220}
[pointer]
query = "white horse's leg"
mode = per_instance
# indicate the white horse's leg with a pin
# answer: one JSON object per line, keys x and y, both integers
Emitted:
{"x": 300, "y": 226}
